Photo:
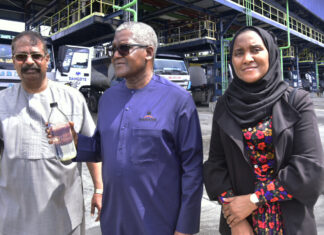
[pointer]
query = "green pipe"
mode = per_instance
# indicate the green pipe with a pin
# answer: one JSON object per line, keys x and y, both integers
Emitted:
{"x": 127, "y": 8}
{"x": 288, "y": 35}
{"x": 317, "y": 76}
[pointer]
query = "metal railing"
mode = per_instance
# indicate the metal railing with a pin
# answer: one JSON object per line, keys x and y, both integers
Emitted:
{"x": 306, "y": 55}
{"x": 189, "y": 31}
{"x": 289, "y": 52}
{"x": 279, "y": 16}
{"x": 74, "y": 13}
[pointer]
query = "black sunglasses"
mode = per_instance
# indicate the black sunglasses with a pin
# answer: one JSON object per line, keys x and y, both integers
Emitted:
{"x": 123, "y": 49}
{"x": 22, "y": 57}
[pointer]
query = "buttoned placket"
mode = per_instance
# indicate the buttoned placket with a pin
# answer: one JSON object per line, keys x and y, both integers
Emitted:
{"x": 124, "y": 127}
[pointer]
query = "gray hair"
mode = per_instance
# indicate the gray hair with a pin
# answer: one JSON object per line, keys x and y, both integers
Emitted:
{"x": 34, "y": 38}
{"x": 142, "y": 33}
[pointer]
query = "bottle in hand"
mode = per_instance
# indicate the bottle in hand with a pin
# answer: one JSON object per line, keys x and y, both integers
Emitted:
{"x": 61, "y": 134}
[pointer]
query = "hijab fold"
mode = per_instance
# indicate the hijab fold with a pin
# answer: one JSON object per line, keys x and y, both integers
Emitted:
{"x": 249, "y": 103}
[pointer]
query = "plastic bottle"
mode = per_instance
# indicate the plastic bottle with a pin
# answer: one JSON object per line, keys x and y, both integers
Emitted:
{"x": 62, "y": 135}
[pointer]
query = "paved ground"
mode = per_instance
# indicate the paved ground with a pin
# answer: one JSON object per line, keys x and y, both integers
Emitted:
{"x": 210, "y": 210}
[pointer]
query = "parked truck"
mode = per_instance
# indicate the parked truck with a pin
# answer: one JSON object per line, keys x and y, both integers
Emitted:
{"x": 87, "y": 69}
{"x": 8, "y": 74}
{"x": 202, "y": 87}
{"x": 92, "y": 72}
{"x": 173, "y": 67}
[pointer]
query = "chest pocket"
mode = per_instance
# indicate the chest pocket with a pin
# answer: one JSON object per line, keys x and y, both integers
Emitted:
{"x": 146, "y": 145}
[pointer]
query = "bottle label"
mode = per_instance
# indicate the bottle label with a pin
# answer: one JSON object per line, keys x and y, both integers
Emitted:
{"x": 61, "y": 134}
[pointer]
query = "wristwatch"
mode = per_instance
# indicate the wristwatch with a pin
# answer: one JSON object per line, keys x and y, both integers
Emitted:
{"x": 98, "y": 191}
{"x": 254, "y": 199}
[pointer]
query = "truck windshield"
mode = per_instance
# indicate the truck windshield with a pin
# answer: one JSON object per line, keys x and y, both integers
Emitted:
{"x": 80, "y": 59}
{"x": 169, "y": 66}
{"x": 5, "y": 57}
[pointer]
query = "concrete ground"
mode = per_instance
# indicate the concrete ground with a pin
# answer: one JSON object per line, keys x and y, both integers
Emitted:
{"x": 210, "y": 211}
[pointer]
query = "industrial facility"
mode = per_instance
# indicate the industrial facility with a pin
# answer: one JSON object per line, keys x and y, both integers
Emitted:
{"x": 200, "y": 30}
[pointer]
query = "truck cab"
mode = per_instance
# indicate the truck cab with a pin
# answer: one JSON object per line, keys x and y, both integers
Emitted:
{"x": 8, "y": 74}
{"x": 74, "y": 66}
{"x": 173, "y": 67}
{"x": 79, "y": 67}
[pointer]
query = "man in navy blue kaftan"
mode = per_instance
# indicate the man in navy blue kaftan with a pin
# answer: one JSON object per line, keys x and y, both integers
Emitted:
{"x": 149, "y": 140}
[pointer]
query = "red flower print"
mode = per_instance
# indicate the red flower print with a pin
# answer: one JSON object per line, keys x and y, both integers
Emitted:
{"x": 263, "y": 158}
{"x": 271, "y": 186}
{"x": 262, "y": 224}
{"x": 247, "y": 135}
{"x": 257, "y": 171}
{"x": 259, "y": 134}
{"x": 274, "y": 199}
{"x": 281, "y": 188}
{"x": 265, "y": 167}
{"x": 271, "y": 225}
{"x": 261, "y": 146}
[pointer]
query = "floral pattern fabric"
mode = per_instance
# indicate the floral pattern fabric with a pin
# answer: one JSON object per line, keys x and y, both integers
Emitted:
{"x": 259, "y": 147}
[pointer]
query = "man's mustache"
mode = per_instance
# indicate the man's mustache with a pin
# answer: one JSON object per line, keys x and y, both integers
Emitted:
{"x": 26, "y": 68}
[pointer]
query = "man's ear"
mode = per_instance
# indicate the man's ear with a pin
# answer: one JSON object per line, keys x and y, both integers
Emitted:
{"x": 149, "y": 53}
{"x": 47, "y": 58}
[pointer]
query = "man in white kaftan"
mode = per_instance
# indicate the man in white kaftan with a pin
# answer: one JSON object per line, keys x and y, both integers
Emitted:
{"x": 39, "y": 195}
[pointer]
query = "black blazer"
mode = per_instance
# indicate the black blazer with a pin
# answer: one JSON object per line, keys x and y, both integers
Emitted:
{"x": 298, "y": 153}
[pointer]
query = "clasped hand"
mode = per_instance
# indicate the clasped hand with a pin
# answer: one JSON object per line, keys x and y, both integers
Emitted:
{"x": 237, "y": 209}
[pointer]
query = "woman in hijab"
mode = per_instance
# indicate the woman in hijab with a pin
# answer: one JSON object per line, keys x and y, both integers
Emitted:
{"x": 265, "y": 164}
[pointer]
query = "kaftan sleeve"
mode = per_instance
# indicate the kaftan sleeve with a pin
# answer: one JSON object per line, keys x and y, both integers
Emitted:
{"x": 189, "y": 150}
{"x": 88, "y": 149}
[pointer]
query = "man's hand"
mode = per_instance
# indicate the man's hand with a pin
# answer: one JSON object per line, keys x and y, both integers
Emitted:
{"x": 96, "y": 202}
{"x": 53, "y": 141}
{"x": 74, "y": 134}
{"x": 237, "y": 209}
{"x": 242, "y": 228}
{"x": 178, "y": 233}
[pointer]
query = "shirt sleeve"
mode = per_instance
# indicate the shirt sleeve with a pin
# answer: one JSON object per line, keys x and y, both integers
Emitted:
{"x": 189, "y": 150}
{"x": 272, "y": 192}
{"x": 88, "y": 149}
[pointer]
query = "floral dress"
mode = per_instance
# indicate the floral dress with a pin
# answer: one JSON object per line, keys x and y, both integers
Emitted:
{"x": 259, "y": 147}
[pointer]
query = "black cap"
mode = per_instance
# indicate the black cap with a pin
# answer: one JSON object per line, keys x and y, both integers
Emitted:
{"x": 54, "y": 104}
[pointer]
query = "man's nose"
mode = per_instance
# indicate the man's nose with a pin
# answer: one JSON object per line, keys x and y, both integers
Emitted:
{"x": 29, "y": 60}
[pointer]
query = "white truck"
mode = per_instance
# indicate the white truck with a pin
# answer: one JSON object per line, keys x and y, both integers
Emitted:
{"x": 172, "y": 67}
{"x": 8, "y": 74}
{"x": 80, "y": 68}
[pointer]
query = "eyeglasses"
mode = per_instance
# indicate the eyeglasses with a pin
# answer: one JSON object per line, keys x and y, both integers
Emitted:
{"x": 123, "y": 49}
{"x": 22, "y": 57}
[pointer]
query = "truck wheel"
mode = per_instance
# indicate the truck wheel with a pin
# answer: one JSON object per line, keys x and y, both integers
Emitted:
{"x": 92, "y": 104}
